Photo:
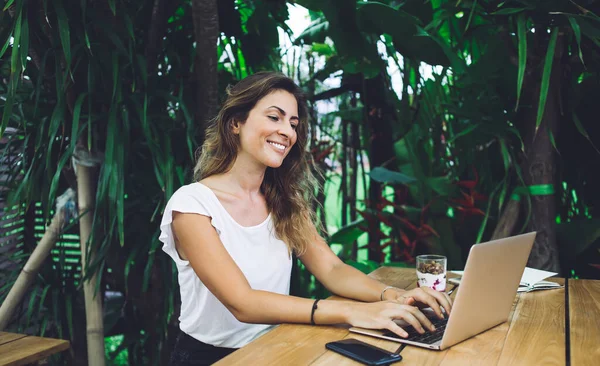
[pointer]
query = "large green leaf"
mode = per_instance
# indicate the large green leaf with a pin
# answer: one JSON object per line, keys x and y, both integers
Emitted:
{"x": 385, "y": 175}
{"x": 409, "y": 37}
{"x": 349, "y": 233}
{"x": 366, "y": 266}
{"x": 357, "y": 53}
{"x": 314, "y": 33}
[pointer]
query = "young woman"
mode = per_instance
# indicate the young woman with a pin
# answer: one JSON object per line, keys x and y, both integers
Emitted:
{"x": 232, "y": 234}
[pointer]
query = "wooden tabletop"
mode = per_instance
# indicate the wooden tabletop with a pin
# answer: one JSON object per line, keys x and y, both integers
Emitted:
{"x": 21, "y": 349}
{"x": 535, "y": 334}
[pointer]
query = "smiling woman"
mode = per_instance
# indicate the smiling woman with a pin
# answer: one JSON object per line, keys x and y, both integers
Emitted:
{"x": 262, "y": 110}
{"x": 232, "y": 233}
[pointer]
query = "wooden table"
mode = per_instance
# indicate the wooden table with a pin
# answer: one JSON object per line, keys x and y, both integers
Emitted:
{"x": 22, "y": 349}
{"x": 543, "y": 329}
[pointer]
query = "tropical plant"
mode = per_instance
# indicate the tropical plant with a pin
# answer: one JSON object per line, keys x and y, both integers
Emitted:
{"x": 492, "y": 97}
{"x": 488, "y": 114}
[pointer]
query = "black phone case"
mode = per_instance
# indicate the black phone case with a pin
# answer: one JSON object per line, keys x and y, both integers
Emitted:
{"x": 333, "y": 346}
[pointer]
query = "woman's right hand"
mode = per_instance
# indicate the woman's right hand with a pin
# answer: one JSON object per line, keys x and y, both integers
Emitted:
{"x": 381, "y": 315}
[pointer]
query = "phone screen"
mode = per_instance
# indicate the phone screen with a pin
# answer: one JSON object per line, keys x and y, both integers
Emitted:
{"x": 364, "y": 352}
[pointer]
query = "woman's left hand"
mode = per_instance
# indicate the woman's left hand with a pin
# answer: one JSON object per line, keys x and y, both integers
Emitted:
{"x": 423, "y": 297}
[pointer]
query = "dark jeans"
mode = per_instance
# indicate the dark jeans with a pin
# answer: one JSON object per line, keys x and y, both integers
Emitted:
{"x": 190, "y": 351}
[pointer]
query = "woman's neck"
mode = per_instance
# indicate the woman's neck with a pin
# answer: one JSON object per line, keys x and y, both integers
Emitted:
{"x": 245, "y": 178}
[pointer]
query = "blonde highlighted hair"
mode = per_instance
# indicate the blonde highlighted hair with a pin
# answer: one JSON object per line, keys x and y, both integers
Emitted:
{"x": 289, "y": 189}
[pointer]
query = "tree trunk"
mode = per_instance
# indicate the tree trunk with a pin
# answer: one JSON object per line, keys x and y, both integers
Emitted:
{"x": 380, "y": 116}
{"x": 93, "y": 301}
{"x": 206, "y": 31}
{"x": 538, "y": 168}
{"x": 508, "y": 219}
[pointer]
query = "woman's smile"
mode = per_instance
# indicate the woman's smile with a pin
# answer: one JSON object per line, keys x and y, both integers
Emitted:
{"x": 278, "y": 147}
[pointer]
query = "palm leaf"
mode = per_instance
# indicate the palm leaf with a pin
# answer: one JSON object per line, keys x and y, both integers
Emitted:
{"x": 64, "y": 31}
{"x": 522, "y": 39}
{"x": 577, "y": 33}
{"x": 546, "y": 77}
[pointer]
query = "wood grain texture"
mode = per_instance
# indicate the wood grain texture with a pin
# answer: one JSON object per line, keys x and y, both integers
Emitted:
{"x": 534, "y": 334}
{"x": 537, "y": 332}
{"x": 30, "y": 349}
{"x": 584, "y": 309}
{"x": 333, "y": 358}
{"x": 9, "y": 337}
{"x": 405, "y": 278}
{"x": 287, "y": 344}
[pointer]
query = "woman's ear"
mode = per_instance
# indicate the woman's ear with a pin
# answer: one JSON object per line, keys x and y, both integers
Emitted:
{"x": 235, "y": 127}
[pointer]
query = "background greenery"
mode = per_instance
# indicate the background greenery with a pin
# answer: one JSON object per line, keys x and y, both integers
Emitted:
{"x": 427, "y": 116}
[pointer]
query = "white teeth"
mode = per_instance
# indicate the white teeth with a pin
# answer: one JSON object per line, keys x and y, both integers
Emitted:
{"x": 279, "y": 146}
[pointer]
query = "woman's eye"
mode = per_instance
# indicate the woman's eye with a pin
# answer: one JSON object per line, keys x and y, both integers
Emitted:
{"x": 294, "y": 127}
{"x": 273, "y": 118}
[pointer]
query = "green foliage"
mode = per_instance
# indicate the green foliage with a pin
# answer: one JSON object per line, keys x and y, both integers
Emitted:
{"x": 89, "y": 75}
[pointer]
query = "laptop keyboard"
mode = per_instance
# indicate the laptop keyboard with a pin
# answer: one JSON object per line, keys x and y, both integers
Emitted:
{"x": 427, "y": 337}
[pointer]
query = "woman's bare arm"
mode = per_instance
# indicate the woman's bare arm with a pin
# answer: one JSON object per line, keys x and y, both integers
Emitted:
{"x": 346, "y": 281}
{"x": 200, "y": 243}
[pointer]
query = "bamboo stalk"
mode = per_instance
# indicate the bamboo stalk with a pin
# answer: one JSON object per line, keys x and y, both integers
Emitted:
{"x": 93, "y": 302}
{"x": 31, "y": 268}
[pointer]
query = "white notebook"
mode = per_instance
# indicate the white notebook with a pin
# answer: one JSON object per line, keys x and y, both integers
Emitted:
{"x": 532, "y": 280}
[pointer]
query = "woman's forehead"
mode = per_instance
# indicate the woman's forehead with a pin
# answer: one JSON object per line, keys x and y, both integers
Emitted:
{"x": 281, "y": 100}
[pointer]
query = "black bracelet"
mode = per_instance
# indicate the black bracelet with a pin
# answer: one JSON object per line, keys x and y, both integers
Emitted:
{"x": 312, "y": 313}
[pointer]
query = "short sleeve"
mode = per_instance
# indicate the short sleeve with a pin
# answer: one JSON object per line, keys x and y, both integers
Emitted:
{"x": 187, "y": 199}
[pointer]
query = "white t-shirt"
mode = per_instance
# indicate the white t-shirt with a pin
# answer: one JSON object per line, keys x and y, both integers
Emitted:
{"x": 262, "y": 258}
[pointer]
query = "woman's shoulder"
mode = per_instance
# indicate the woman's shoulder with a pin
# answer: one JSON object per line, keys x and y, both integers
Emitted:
{"x": 217, "y": 187}
{"x": 195, "y": 191}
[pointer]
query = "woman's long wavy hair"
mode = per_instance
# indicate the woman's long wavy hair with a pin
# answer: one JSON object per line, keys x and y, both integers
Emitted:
{"x": 289, "y": 189}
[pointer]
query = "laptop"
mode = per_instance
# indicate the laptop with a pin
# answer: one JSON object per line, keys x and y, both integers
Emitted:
{"x": 484, "y": 298}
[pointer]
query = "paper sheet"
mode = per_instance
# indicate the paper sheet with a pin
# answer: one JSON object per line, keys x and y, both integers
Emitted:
{"x": 530, "y": 276}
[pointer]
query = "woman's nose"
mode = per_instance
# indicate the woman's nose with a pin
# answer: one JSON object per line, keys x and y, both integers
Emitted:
{"x": 286, "y": 130}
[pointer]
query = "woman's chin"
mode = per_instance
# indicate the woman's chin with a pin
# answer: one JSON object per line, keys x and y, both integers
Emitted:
{"x": 274, "y": 164}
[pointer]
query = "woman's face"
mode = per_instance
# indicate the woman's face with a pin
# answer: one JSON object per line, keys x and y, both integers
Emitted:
{"x": 269, "y": 133}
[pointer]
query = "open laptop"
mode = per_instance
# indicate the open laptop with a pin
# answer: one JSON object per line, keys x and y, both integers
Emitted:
{"x": 483, "y": 300}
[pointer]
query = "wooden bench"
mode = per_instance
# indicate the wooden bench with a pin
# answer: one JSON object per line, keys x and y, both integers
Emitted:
{"x": 21, "y": 349}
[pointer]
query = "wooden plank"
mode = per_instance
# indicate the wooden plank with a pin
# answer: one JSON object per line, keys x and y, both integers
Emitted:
{"x": 484, "y": 348}
{"x": 6, "y": 337}
{"x": 537, "y": 333}
{"x": 400, "y": 277}
{"x": 506, "y": 343}
{"x": 584, "y": 319}
{"x": 304, "y": 344}
{"x": 287, "y": 344}
{"x": 333, "y": 358}
{"x": 30, "y": 349}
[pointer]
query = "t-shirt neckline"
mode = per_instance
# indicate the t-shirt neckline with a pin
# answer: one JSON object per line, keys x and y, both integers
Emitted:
{"x": 229, "y": 215}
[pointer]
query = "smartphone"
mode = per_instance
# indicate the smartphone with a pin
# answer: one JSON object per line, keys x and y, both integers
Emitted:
{"x": 363, "y": 352}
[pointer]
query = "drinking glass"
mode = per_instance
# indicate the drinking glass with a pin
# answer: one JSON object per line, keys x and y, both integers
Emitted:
{"x": 431, "y": 271}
